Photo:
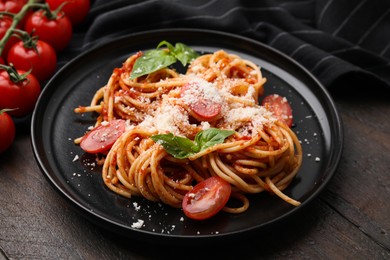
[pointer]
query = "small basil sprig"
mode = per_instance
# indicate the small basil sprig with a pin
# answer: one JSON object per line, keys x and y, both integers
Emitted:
{"x": 156, "y": 59}
{"x": 182, "y": 147}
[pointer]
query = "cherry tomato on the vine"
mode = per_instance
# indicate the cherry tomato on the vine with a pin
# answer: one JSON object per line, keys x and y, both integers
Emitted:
{"x": 207, "y": 198}
{"x": 7, "y": 131}
{"x": 56, "y": 31}
{"x": 5, "y": 24}
{"x": 75, "y": 10}
{"x": 280, "y": 107}
{"x": 12, "y": 6}
{"x": 19, "y": 92}
{"x": 42, "y": 59}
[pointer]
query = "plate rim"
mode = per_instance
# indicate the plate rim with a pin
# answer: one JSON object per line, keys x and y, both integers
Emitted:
{"x": 335, "y": 156}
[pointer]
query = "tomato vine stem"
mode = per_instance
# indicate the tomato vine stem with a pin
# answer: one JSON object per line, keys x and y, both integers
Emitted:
{"x": 13, "y": 73}
{"x": 16, "y": 18}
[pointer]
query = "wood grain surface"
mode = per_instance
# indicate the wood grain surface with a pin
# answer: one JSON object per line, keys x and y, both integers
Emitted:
{"x": 349, "y": 220}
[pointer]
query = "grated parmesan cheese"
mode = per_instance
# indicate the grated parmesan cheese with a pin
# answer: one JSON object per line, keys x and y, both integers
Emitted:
{"x": 201, "y": 89}
{"x": 136, "y": 206}
{"x": 138, "y": 224}
{"x": 205, "y": 125}
{"x": 257, "y": 115}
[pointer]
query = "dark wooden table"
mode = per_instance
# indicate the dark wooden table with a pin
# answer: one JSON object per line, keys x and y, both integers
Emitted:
{"x": 349, "y": 220}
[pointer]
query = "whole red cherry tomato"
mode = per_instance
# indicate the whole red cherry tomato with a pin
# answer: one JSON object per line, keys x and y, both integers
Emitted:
{"x": 1, "y": 60}
{"x": 5, "y": 24}
{"x": 51, "y": 27}
{"x": 12, "y": 6}
{"x": 19, "y": 91}
{"x": 280, "y": 107}
{"x": 7, "y": 131}
{"x": 75, "y": 10}
{"x": 207, "y": 198}
{"x": 42, "y": 59}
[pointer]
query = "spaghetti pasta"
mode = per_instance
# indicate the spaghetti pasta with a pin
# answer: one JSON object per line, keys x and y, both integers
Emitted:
{"x": 219, "y": 90}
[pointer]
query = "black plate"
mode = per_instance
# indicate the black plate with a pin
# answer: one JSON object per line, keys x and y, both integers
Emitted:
{"x": 55, "y": 125}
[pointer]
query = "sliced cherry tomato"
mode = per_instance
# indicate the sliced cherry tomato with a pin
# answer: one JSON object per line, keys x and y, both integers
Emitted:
{"x": 56, "y": 31}
{"x": 7, "y": 131}
{"x": 42, "y": 59}
{"x": 206, "y": 110}
{"x": 203, "y": 108}
{"x": 75, "y": 10}
{"x": 19, "y": 94}
{"x": 102, "y": 138}
{"x": 280, "y": 107}
{"x": 207, "y": 198}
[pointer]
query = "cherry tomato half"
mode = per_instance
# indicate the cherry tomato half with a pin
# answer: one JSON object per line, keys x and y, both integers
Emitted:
{"x": 280, "y": 107}
{"x": 75, "y": 10}
{"x": 102, "y": 138}
{"x": 56, "y": 32}
{"x": 202, "y": 108}
{"x": 21, "y": 96}
{"x": 207, "y": 198}
{"x": 42, "y": 60}
{"x": 7, "y": 131}
{"x": 206, "y": 110}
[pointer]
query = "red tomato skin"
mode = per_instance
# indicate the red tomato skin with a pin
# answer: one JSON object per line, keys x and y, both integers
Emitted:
{"x": 7, "y": 131}
{"x": 5, "y": 24}
{"x": 203, "y": 109}
{"x": 19, "y": 96}
{"x": 280, "y": 108}
{"x": 43, "y": 62}
{"x": 102, "y": 138}
{"x": 1, "y": 60}
{"x": 12, "y": 6}
{"x": 75, "y": 10}
{"x": 57, "y": 33}
{"x": 206, "y": 110}
{"x": 207, "y": 198}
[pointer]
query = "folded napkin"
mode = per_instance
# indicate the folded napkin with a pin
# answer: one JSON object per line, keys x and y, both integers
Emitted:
{"x": 341, "y": 42}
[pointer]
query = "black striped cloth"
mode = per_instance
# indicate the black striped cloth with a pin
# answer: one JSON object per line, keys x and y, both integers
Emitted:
{"x": 344, "y": 43}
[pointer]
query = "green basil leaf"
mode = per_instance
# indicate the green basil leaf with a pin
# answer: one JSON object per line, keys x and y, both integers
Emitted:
{"x": 178, "y": 147}
{"x": 170, "y": 46}
{"x": 156, "y": 59}
{"x": 181, "y": 147}
{"x": 211, "y": 137}
{"x": 184, "y": 53}
{"x": 151, "y": 61}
